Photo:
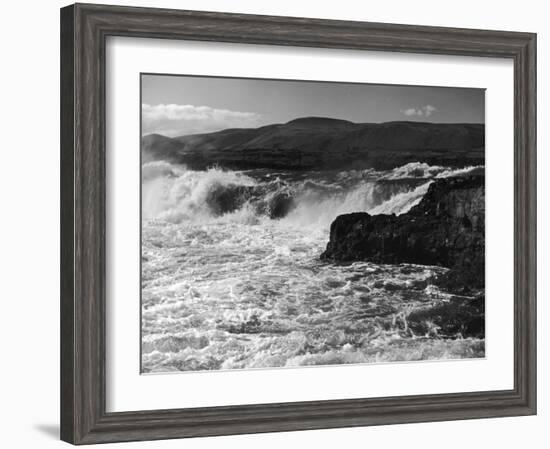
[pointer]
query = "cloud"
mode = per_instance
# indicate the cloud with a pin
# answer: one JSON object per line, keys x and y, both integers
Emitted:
{"x": 180, "y": 119}
{"x": 424, "y": 111}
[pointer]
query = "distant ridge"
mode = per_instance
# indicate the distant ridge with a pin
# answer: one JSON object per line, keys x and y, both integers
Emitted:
{"x": 324, "y": 143}
{"x": 321, "y": 121}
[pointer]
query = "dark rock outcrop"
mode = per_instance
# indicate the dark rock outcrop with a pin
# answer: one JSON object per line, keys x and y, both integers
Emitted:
{"x": 223, "y": 199}
{"x": 324, "y": 143}
{"x": 280, "y": 205}
{"x": 447, "y": 228}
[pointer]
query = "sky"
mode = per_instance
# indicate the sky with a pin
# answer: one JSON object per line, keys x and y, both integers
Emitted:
{"x": 175, "y": 105}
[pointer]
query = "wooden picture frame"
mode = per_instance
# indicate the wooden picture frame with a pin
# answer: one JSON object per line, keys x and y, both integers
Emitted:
{"x": 84, "y": 29}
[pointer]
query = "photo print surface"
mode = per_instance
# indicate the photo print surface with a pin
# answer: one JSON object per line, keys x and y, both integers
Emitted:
{"x": 298, "y": 223}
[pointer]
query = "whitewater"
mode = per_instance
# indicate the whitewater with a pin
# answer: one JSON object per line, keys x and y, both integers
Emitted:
{"x": 231, "y": 275}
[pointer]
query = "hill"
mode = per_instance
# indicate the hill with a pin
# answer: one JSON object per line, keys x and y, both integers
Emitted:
{"x": 320, "y": 143}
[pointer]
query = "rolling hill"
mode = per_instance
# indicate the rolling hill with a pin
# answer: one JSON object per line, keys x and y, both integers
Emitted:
{"x": 324, "y": 143}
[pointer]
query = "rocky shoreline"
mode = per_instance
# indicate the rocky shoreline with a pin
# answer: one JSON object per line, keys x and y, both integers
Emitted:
{"x": 447, "y": 228}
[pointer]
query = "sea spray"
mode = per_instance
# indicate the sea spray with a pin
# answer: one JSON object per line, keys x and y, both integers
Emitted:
{"x": 402, "y": 202}
{"x": 177, "y": 194}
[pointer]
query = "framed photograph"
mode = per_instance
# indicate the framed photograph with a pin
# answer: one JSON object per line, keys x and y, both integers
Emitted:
{"x": 275, "y": 223}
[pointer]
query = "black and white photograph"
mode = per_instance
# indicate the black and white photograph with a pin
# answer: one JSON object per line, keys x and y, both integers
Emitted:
{"x": 299, "y": 223}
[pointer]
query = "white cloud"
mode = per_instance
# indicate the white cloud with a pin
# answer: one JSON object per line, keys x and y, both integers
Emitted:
{"x": 429, "y": 110}
{"x": 180, "y": 119}
{"x": 411, "y": 112}
{"x": 423, "y": 111}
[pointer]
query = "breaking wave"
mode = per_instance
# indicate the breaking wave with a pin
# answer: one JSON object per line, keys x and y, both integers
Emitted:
{"x": 175, "y": 194}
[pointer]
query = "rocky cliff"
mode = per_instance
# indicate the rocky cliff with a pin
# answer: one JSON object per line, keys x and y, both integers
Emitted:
{"x": 446, "y": 228}
{"x": 323, "y": 143}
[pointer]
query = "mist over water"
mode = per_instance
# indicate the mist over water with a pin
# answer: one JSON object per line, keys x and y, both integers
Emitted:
{"x": 231, "y": 276}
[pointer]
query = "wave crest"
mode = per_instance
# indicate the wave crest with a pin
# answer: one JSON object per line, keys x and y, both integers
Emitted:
{"x": 421, "y": 170}
{"x": 175, "y": 194}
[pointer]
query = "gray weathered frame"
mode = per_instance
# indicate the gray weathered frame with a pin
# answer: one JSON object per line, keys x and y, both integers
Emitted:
{"x": 84, "y": 29}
